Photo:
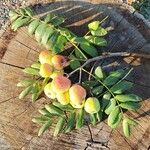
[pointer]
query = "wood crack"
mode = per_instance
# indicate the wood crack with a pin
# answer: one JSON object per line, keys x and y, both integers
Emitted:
{"x": 11, "y": 65}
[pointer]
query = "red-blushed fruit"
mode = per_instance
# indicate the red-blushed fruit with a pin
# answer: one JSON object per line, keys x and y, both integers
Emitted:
{"x": 92, "y": 105}
{"x": 77, "y": 96}
{"x": 46, "y": 70}
{"x": 59, "y": 62}
{"x": 45, "y": 57}
{"x": 61, "y": 84}
{"x": 49, "y": 92}
{"x": 63, "y": 98}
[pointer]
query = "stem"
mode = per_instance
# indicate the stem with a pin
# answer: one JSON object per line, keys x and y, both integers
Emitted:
{"x": 110, "y": 55}
{"x": 78, "y": 49}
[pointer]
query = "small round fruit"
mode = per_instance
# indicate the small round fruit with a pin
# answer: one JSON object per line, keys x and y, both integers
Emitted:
{"x": 92, "y": 105}
{"x": 63, "y": 98}
{"x": 45, "y": 57}
{"x": 61, "y": 84}
{"x": 77, "y": 96}
{"x": 59, "y": 62}
{"x": 46, "y": 70}
{"x": 49, "y": 92}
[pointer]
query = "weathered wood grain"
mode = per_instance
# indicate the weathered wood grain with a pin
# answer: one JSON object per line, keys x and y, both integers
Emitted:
{"x": 17, "y": 131}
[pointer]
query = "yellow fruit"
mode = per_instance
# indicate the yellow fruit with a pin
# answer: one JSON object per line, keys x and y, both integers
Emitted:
{"x": 46, "y": 70}
{"x": 61, "y": 84}
{"x": 45, "y": 57}
{"x": 63, "y": 98}
{"x": 57, "y": 73}
{"x": 49, "y": 92}
{"x": 77, "y": 96}
{"x": 59, "y": 62}
{"x": 92, "y": 105}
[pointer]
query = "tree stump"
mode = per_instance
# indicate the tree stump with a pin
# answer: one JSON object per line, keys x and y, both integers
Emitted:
{"x": 19, "y": 50}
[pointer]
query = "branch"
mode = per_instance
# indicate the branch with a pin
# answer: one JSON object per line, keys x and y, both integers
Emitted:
{"x": 110, "y": 55}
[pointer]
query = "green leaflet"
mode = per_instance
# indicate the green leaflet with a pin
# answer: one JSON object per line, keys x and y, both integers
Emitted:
{"x": 132, "y": 121}
{"x": 130, "y": 105}
{"x": 93, "y": 25}
{"x": 44, "y": 112}
{"x": 25, "y": 83}
{"x": 126, "y": 125}
{"x": 52, "y": 40}
{"x": 114, "y": 77}
{"x": 126, "y": 128}
{"x": 80, "y": 40}
{"x": 40, "y": 31}
{"x": 35, "y": 87}
{"x": 128, "y": 97}
{"x": 99, "y": 72}
{"x": 33, "y": 25}
{"x": 67, "y": 33}
{"x": 121, "y": 87}
{"x": 115, "y": 125}
{"x": 89, "y": 49}
{"x": 110, "y": 106}
{"x": 59, "y": 45}
{"x": 105, "y": 101}
{"x": 49, "y": 17}
{"x": 25, "y": 92}
{"x": 70, "y": 123}
{"x": 36, "y": 65}
{"x": 79, "y": 118}
{"x": 35, "y": 97}
{"x": 74, "y": 64}
{"x": 40, "y": 120}
{"x": 54, "y": 110}
{"x": 97, "y": 90}
{"x": 78, "y": 54}
{"x": 21, "y": 11}
{"x": 57, "y": 21}
{"x": 48, "y": 32}
{"x": 13, "y": 15}
{"x": 63, "y": 107}
{"x": 59, "y": 125}
{"x": 93, "y": 119}
{"x": 31, "y": 71}
{"x": 44, "y": 127}
{"x": 96, "y": 40}
{"x": 28, "y": 11}
{"x": 99, "y": 32}
{"x": 20, "y": 22}
{"x": 114, "y": 117}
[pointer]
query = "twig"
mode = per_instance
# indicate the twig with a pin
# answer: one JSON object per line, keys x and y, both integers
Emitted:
{"x": 80, "y": 75}
{"x": 110, "y": 55}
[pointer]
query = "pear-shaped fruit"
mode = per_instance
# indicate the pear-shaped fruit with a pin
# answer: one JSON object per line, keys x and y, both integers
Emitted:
{"x": 92, "y": 105}
{"x": 46, "y": 70}
{"x": 77, "y": 96}
{"x": 63, "y": 98}
{"x": 61, "y": 84}
{"x": 45, "y": 57}
{"x": 59, "y": 62}
{"x": 49, "y": 92}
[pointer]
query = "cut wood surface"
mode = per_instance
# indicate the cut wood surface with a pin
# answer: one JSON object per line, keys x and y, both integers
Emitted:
{"x": 19, "y": 49}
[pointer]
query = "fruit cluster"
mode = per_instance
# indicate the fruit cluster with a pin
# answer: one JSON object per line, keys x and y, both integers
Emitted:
{"x": 51, "y": 65}
{"x": 60, "y": 87}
